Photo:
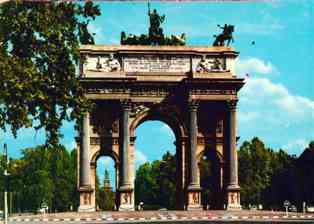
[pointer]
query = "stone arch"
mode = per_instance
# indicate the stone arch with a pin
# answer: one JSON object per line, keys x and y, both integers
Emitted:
{"x": 93, "y": 165}
{"x": 218, "y": 154}
{"x": 178, "y": 127}
{"x": 102, "y": 152}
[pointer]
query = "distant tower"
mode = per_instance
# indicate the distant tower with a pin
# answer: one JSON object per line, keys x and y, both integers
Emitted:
{"x": 107, "y": 185}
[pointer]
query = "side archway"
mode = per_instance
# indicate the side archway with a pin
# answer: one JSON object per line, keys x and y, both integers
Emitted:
{"x": 211, "y": 164}
{"x": 93, "y": 169}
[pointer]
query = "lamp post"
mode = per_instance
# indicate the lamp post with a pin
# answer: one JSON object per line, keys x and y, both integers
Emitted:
{"x": 6, "y": 175}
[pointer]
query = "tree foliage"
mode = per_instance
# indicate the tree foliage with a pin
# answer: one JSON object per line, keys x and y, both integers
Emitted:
{"x": 155, "y": 183}
{"x": 266, "y": 176}
{"x": 38, "y": 60}
{"x": 43, "y": 175}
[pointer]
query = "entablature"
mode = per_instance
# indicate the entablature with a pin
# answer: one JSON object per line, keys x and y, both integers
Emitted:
{"x": 157, "y": 91}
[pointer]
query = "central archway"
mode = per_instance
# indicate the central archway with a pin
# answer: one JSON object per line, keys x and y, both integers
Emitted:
{"x": 171, "y": 160}
{"x": 156, "y": 164}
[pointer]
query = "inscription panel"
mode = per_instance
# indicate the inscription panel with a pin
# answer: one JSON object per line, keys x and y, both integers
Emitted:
{"x": 113, "y": 63}
{"x": 156, "y": 63}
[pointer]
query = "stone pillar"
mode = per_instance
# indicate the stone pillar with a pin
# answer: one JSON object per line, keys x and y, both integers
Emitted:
{"x": 194, "y": 189}
{"x": 85, "y": 187}
{"x": 233, "y": 188}
{"x": 126, "y": 186}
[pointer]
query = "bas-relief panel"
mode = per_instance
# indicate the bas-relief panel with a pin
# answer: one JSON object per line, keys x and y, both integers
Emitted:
{"x": 155, "y": 63}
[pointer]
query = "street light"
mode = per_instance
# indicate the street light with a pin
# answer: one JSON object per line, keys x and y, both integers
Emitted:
{"x": 286, "y": 204}
{"x": 6, "y": 175}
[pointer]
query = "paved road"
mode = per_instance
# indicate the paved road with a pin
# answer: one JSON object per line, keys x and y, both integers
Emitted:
{"x": 155, "y": 217}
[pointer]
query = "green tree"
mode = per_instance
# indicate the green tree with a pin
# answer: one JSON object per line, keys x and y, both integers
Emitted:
{"x": 265, "y": 175}
{"x": 155, "y": 183}
{"x": 38, "y": 59}
{"x": 305, "y": 175}
{"x": 146, "y": 187}
{"x": 167, "y": 181}
{"x": 44, "y": 175}
{"x": 60, "y": 174}
{"x": 37, "y": 186}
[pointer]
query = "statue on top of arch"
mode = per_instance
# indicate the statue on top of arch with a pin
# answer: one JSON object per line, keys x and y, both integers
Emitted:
{"x": 155, "y": 33}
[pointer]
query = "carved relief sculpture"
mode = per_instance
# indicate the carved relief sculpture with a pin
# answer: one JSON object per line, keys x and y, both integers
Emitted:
{"x": 210, "y": 65}
{"x": 110, "y": 65}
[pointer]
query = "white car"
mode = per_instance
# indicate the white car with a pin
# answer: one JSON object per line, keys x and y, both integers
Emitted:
{"x": 310, "y": 208}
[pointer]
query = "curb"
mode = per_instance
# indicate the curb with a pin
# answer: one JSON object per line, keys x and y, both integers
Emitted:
{"x": 164, "y": 218}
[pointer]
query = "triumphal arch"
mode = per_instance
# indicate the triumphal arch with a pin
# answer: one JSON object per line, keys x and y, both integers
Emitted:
{"x": 192, "y": 89}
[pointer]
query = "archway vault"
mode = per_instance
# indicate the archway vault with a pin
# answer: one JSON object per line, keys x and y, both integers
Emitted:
{"x": 176, "y": 85}
{"x": 167, "y": 114}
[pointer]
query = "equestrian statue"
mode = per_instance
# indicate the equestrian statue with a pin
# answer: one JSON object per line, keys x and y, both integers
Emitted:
{"x": 226, "y": 35}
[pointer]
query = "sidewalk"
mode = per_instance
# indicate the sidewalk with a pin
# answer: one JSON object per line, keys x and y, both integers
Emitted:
{"x": 150, "y": 216}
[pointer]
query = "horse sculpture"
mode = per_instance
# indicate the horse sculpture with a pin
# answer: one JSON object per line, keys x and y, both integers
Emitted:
{"x": 226, "y": 35}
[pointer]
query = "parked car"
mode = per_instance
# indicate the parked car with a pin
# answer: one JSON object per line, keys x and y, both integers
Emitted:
{"x": 310, "y": 209}
{"x": 292, "y": 208}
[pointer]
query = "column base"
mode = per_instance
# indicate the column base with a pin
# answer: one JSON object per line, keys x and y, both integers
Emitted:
{"x": 126, "y": 196}
{"x": 194, "y": 198}
{"x": 86, "y": 208}
{"x": 87, "y": 199}
{"x": 233, "y": 198}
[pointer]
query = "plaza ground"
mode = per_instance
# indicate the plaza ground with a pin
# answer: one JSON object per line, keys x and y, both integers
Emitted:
{"x": 210, "y": 216}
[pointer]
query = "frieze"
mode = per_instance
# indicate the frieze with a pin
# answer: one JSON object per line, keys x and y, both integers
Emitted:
{"x": 213, "y": 92}
{"x": 104, "y": 140}
{"x": 150, "y": 92}
{"x": 108, "y": 90}
{"x": 135, "y": 92}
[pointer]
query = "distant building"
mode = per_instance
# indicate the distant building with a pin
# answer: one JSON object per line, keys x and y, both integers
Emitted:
{"x": 107, "y": 185}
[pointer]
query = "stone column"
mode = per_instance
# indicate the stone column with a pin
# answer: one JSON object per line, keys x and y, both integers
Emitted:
{"x": 126, "y": 186}
{"x": 85, "y": 187}
{"x": 233, "y": 188}
{"x": 194, "y": 189}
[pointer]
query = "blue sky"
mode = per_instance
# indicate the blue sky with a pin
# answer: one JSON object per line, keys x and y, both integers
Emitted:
{"x": 277, "y": 102}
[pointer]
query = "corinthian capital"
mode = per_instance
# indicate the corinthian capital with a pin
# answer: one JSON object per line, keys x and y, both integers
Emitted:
{"x": 126, "y": 104}
{"x": 232, "y": 104}
{"x": 193, "y": 105}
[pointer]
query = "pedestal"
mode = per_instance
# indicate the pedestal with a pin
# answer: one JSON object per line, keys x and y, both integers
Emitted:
{"x": 194, "y": 198}
{"x": 86, "y": 205}
{"x": 126, "y": 196}
{"x": 233, "y": 198}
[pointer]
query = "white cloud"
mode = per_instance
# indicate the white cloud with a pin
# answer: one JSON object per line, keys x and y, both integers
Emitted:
{"x": 262, "y": 90}
{"x": 270, "y": 111}
{"x": 140, "y": 158}
{"x": 254, "y": 65}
